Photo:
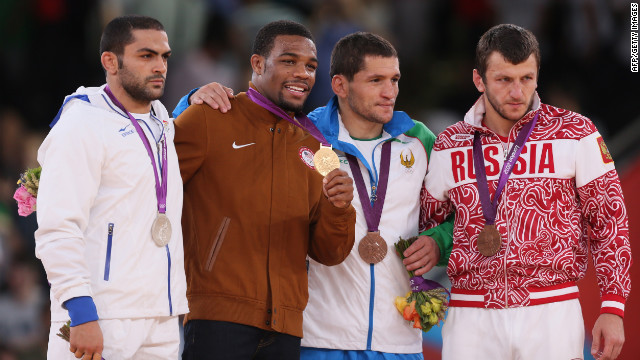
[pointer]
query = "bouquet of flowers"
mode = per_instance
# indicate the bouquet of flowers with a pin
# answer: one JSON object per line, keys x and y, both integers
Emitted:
{"x": 427, "y": 302}
{"x": 27, "y": 192}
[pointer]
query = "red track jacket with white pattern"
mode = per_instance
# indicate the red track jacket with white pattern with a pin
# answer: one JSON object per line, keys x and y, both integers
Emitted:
{"x": 562, "y": 199}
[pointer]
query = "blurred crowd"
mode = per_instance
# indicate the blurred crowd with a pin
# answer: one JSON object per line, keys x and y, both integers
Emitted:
{"x": 50, "y": 47}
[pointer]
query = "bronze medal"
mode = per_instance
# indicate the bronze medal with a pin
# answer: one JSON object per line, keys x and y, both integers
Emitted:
{"x": 372, "y": 248}
{"x": 325, "y": 160}
{"x": 161, "y": 230}
{"x": 489, "y": 241}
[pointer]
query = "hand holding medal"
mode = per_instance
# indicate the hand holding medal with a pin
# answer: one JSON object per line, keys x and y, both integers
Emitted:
{"x": 325, "y": 160}
{"x": 338, "y": 188}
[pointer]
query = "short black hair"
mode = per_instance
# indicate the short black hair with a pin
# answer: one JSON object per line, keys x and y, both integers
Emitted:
{"x": 513, "y": 42}
{"x": 263, "y": 43}
{"x": 347, "y": 57}
{"x": 118, "y": 32}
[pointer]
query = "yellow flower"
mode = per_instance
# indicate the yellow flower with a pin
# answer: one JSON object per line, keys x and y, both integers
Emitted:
{"x": 436, "y": 304}
{"x": 426, "y": 308}
{"x": 433, "y": 318}
{"x": 401, "y": 303}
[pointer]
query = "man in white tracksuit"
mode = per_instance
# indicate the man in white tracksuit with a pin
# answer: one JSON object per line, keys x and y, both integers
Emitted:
{"x": 109, "y": 207}
{"x": 350, "y": 313}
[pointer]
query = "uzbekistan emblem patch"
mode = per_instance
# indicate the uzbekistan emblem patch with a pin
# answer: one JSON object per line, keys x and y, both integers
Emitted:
{"x": 407, "y": 160}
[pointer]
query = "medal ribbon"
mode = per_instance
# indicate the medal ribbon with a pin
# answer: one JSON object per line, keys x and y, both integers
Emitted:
{"x": 489, "y": 208}
{"x": 161, "y": 187}
{"x": 372, "y": 212}
{"x": 418, "y": 284}
{"x": 302, "y": 122}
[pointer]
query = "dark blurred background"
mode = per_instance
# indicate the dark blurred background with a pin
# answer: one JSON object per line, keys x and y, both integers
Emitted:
{"x": 48, "y": 48}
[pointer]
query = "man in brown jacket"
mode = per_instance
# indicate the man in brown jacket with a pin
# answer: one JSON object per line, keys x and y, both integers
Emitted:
{"x": 255, "y": 207}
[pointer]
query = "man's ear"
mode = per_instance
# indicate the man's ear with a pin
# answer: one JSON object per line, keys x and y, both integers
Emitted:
{"x": 258, "y": 64}
{"x": 477, "y": 81}
{"x": 109, "y": 62}
{"x": 340, "y": 86}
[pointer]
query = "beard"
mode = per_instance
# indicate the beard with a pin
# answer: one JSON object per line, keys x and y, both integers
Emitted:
{"x": 500, "y": 110}
{"x": 137, "y": 88}
{"x": 364, "y": 111}
{"x": 288, "y": 106}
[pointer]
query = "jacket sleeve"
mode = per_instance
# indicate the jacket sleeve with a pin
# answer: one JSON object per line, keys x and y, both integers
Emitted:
{"x": 332, "y": 232}
{"x": 442, "y": 233}
{"x": 71, "y": 157}
{"x": 602, "y": 206}
{"x": 443, "y": 236}
{"x": 183, "y": 104}
{"x": 191, "y": 140}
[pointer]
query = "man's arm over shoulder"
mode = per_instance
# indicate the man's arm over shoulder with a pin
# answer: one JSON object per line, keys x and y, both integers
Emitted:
{"x": 443, "y": 232}
{"x": 213, "y": 94}
{"x": 183, "y": 104}
{"x": 437, "y": 213}
{"x": 71, "y": 157}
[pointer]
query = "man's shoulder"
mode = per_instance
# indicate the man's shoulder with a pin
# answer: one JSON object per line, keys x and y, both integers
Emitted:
{"x": 456, "y": 135}
{"x": 420, "y": 131}
{"x": 565, "y": 123}
{"x": 84, "y": 115}
{"x": 240, "y": 104}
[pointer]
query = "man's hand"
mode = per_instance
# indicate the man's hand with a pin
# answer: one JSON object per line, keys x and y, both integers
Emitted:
{"x": 86, "y": 341}
{"x": 338, "y": 187}
{"x": 215, "y": 95}
{"x": 422, "y": 255}
{"x": 608, "y": 337}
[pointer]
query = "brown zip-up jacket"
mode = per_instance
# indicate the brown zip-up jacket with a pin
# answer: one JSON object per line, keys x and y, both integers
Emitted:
{"x": 253, "y": 210}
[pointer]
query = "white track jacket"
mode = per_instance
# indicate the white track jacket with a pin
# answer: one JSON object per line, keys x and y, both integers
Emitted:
{"x": 95, "y": 207}
{"x": 351, "y": 304}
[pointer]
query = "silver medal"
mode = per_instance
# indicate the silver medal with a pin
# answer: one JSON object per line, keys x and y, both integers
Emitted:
{"x": 161, "y": 230}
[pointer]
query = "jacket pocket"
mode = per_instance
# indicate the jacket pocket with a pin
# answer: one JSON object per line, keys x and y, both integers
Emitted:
{"x": 107, "y": 262}
{"x": 217, "y": 243}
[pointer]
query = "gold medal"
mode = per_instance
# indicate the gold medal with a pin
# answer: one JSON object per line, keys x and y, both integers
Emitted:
{"x": 161, "y": 230}
{"x": 325, "y": 160}
{"x": 372, "y": 248}
{"x": 489, "y": 240}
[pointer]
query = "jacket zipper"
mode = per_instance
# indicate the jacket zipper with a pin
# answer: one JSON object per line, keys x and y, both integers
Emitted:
{"x": 107, "y": 263}
{"x": 217, "y": 243}
{"x": 506, "y": 220}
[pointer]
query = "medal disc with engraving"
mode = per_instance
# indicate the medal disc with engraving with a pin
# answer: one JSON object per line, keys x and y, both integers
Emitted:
{"x": 372, "y": 248}
{"x": 325, "y": 160}
{"x": 161, "y": 230}
{"x": 489, "y": 241}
